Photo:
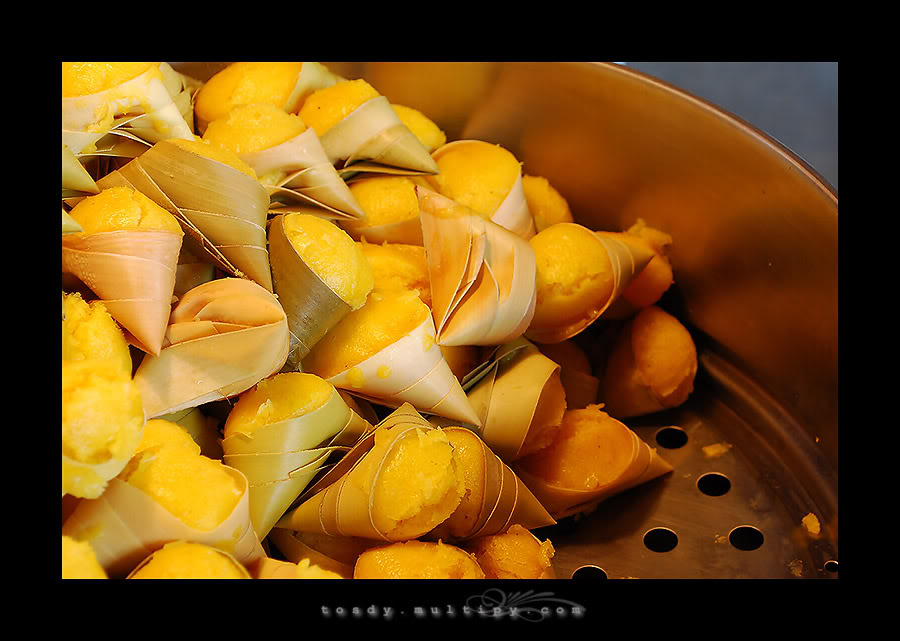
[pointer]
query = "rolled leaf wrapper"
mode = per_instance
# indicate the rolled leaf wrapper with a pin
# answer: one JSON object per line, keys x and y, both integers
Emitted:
{"x": 182, "y": 90}
{"x": 69, "y": 224}
{"x": 575, "y": 372}
{"x": 280, "y": 459}
{"x": 311, "y": 177}
{"x": 311, "y": 306}
{"x": 296, "y": 551}
{"x": 506, "y": 394}
{"x": 133, "y": 272}
{"x": 343, "y": 501}
{"x": 482, "y": 275}
{"x": 513, "y": 212}
{"x": 222, "y": 208}
{"x": 411, "y": 370}
{"x": 635, "y": 464}
{"x": 75, "y": 177}
{"x": 95, "y": 113}
{"x": 626, "y": 260}
{"x": 504, "y": 498}
{"x": 223, "y": 337}
{"x": 125, "y": 525}
{"x": 372, "y": 138}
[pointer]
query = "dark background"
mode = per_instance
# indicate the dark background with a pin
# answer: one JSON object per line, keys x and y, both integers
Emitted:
{"x": 794, "y": 102}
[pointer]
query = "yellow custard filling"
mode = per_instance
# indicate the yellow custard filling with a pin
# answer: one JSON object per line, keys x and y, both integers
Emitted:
{"x": 574, "y": 275}
{"x": 386, "y": 199}
{"x": 396, "y": 266}
{"x": 90, "y": 333}
{"x": 197, "y": 490}
{"x": 383, "y": 320}
{"x": 324, "y": 108}
{"x": 184, "y": 560}
{"x": 86, "y": 78}
{"x": 252, "y": 128}
{"x": 79, "y": 560}
{"x": 476, "y": 174}
{"x": 417, "y": 560}
{"x": 332, "y": 255}
{"x": 547, "y": 206}
{"x": 422, "y": 127}
{"x": 123, "y": 208}
{"x": 279, "y": 398}
{"x": 244, "y": 83}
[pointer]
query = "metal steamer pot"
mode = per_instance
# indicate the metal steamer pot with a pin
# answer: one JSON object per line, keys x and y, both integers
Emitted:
{"x": 755, "y": 256}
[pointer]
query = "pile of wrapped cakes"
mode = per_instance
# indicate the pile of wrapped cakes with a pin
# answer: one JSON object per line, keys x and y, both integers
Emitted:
{"x": 305, "y": 336}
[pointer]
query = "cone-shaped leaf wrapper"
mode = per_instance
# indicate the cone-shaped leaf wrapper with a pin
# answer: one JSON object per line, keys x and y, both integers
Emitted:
{"x": 223, "y": 338}
{"x": 74, "y": 176}
{"x": 127, "y": 255}
{"x": 95, "y": 93}
{"x": 214, "y": 195}
{"x": 579, "y": 274}
{"x": 593, "y": 457}
{"x": 320, "y": 276}
{"x": 294, "y": 547}
{"x": 487, "y": 179}
{"x": 397, "y": 483}
{"x": 126, "y": 524}
{"x": 495, "y": 497}
{"x": 360, "y": 131}
{"x": 286, "y": 155}
{"x": 279, "y": 458}
{"x": 519, "y": 398}
{"x": 385, "y": 352}
{"x": 482, "y": 275}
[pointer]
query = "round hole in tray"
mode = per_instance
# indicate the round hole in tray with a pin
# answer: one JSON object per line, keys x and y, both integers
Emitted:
{"x": 671, "y": 437}
{"x": 831, "y": 566}
{"x": 714, "y": 484}
{"x": 746, "y": 537}
{"x": 589, "y": 572}
{"x": 660, "y": 539}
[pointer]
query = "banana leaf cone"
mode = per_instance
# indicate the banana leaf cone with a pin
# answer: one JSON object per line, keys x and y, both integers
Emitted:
{"x": 411, "y": 370}
{"x": 341, "y": 502}
{"x": 280, "y": 459}
{"x": 296, "y": 551}
{"x": 181, "y": 89}
{"x": 223, "y": 337}
{"x": 641, "y": 465}
{"x": 312, "y": 307}
{"x": 223, "y": 209}
{"x": 145, "y": 94}
{"x": 69, "y": 224}
{"x": 513, "y": 213}
{"x": 125, "y": 525}
{"x": 372, "y": 138}
{"x": 499, "y": 499}
{"x": 310, "y": 176}
{"x": 506, "y": 393}
{"x": 482, "y": 275}
{"x": 133, "y": 272}
{"x": 75, "y": 178}
{"x": 627, "y": 261}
